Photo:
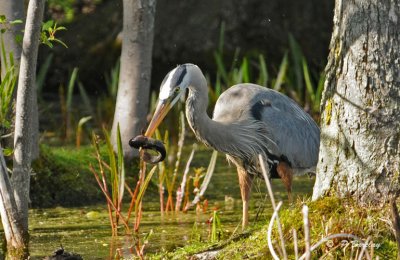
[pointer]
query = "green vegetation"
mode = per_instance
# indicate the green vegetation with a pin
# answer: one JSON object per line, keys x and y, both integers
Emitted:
{"x": 67, "y": 10}
{"x": 48, "y": 34}
{"x": 292, "y": 78}
{"x": 327, "y": 216}
{"x": 7, "y": 83}
{"x": 61, "y": 177}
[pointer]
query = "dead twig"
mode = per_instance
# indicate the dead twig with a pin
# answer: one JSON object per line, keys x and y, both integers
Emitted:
{"x": 271, "y": 195}
{"x": 396, "y": 223}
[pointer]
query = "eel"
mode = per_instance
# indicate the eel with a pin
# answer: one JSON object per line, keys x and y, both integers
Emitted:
{"x": 148, "y": 143}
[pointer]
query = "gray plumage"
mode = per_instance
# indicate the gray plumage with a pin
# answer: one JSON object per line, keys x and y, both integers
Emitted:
{"x": 248, "y": 120}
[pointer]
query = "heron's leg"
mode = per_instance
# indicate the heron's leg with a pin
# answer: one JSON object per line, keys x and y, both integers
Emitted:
{"x": 286, "y": 174}
{"x": 245, "y": 182}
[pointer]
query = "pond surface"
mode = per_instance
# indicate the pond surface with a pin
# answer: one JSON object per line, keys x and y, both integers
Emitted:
{"x": 86, "y": 230}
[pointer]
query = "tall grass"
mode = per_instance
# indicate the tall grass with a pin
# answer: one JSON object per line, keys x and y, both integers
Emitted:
{"x": 7, "y": 85}
{"x": 115, "y": 179}
{"x": 293, "y": 76}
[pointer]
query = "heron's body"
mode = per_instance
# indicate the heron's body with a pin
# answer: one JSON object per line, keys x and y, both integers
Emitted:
{"x": 284, "y": 129}
{"x": 248, "y": 120}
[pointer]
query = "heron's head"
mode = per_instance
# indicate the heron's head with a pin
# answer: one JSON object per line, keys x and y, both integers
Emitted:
{"x": 173, "y": 87}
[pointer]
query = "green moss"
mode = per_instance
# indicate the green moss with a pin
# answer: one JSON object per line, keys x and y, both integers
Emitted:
{"x": 327, "y": 216}
{"x": 61, "y": 176}
{"x": 328, "y": 111}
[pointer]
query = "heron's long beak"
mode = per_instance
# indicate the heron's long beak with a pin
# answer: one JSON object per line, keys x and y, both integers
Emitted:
{"x": 163, "y": 106}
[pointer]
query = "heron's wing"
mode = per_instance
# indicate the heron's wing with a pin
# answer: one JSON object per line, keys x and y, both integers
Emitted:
{"x": 294, "y": 131}
{"x": 288, "y": 130}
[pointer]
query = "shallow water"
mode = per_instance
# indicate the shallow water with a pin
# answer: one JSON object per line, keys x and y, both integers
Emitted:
{"x": 86, "y": 230}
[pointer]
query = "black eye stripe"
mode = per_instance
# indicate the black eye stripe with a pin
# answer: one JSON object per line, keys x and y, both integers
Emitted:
{"x": 181, "y": 71}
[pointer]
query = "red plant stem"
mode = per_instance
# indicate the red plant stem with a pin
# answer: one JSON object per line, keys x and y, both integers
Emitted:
{"x": 101, "y": 163}
{"x": 168, "y": 204}
{"x": 109, "y": 200}
{"x": 161, "y": 191}
{"x": 113, "y": 228}
{"x": 138, "y": 211}
{"x": 133, "y": 200}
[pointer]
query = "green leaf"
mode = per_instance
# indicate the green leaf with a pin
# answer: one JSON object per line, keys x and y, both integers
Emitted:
{"x": 61, "y": 28}
{"x": 113, "y": 166}
{"x": 47, "y": 25}
{"x": 263, "y": 76}
{"x": 307, "y": 79}
{"x": 16, "y": 21}
{"x": 18, "y": 38}
{"x": 282, "y": 72}
{"x": 121, "y": 166}
{"x": 3, "y": 18}
{"x": 71, "y": 85}
{"x": 8, "y": 151}
{"x": 60, "y": 42}
{"x": 244, "y": 69}
{"x": 144, "y": 187}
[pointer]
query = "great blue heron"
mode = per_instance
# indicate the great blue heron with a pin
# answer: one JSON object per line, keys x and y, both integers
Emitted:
{"x": 248, "y": 120}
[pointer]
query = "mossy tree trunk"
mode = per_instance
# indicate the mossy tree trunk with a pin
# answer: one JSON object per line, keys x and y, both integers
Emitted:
{"x": 135, "y": 73}
{"x": 360, "y": 123}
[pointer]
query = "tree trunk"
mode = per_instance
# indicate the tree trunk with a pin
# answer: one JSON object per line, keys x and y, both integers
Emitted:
{"x": 134, "y": 81}
{"x": 20, "y": 178}
{"x": 13, "y": 10}
{"x": 360, "y": 123}
{"x": 14, "y": 232}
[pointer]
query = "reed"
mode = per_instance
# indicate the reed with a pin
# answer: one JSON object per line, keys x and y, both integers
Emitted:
{"x": 116, "y": 177}
{"x": 7, "y": 86}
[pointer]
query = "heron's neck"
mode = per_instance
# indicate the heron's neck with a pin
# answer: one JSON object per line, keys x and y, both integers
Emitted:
{"x": 206, "y": 130}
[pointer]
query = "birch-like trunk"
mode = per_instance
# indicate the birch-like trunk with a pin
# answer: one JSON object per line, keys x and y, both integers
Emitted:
{"x": 360, "y": 123}
{"x": 134, "y": 81}
{"x": 15, "y": 194}
{"x": 14, "y": 232}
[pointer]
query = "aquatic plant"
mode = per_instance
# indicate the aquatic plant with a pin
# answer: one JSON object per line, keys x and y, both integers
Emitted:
{"x": 216, "y": 229}
{"x": 293, "y": 76}
{"x": 116, "y": 170}
{"x": 7, "y": 85}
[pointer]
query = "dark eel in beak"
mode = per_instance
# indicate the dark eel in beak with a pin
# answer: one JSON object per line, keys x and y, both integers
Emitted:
{"x": 148, "y": 143}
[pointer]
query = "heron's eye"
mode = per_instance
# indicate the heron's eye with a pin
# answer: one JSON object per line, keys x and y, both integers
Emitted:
{"x": 177, "y": 89}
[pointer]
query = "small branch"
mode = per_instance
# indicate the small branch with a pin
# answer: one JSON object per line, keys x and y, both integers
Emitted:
{"x": 271, "y": 195}
{"x": 306, "y": 233}
{"x": 396, "y": 223}
{"x": 269, "y": 233}
{"x": 296, "y": 250}
{"x": 181, "y": 189}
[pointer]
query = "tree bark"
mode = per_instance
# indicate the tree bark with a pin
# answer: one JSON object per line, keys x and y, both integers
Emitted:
{"x": 20, "y": 178}
{"x": 134, "y": 80}
{"x": 12, "y": 224}
{"x": 360, "y": 123}
{"x": 13, "y": 10}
